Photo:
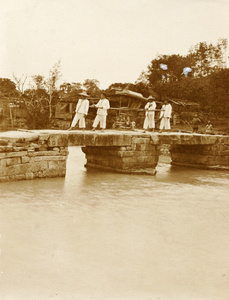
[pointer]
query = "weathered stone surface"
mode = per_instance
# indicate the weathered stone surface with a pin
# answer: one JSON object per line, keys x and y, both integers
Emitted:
{"x": 144, "y": 147}
{"x": 141, "y": 140}
{"x": 147, "y": 171}
{"x": 25, "y": 159}
{"x": 49, "y": 157}
{"x": 57, "y": 140}
{"x": 43, "y": 137}
{"x": 17, "y": 149}
{"x": 3, "y": 142}
{"x": 2, "y": 155}
{"x": 6, "y": 148}
{"x": 19, "y": 136}
{"x": 13, "y": 161}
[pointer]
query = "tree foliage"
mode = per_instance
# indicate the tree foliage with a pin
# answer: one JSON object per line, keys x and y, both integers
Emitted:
{"x": 92, "y": 87}
{"x": 8, "y": 88}
{"x": 36, "y": 104}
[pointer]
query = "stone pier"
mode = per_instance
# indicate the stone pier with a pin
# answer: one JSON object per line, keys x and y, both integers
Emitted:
{"x": 140, "y": 157}
{"x": 25, "y": 155}
{"x": 201, "y": 156}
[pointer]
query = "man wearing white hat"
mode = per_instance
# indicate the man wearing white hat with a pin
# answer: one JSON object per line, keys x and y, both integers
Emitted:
{"x": 81, "y": 111}
{"x": 149, "y": 121}
{"x": 103, "y": 105}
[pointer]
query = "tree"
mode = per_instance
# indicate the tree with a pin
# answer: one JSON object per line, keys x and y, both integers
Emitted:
{"x": 70, "y": 91}
{"x": 40, "y": 99}
{"x": 208, "y": 58}
{"x": 50, "y": 85}
{"x": 39, "y": 81}
{"x": 7, "y": 87}
{"x": 20, "y": 82}
{"x": 36, "y": 104}
{"x": 92, "y": 87}
{"x": 219, "y": 82}
{"x": 173, "y": 71}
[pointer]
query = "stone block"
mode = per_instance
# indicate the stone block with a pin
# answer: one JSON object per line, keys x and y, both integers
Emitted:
{"x": 129, "y": 148}
{"x": 154, "y": 139}
{"x": 2, "y": 155}
{"x": 50, "y": 158}
{"x": 79, "y": 139}
{"x": 22, "y": 144}
{"x": 15, "y": 154}
{"x": 35, "y": 146}
{"x": 141, "y": 140}
{"x": 57, "y": 140}
{"x": 37, "y": 166}
{"x": 4, "y": 178}
{"x": 147, "y": 153}
{"x": 53, "y": 173}
{"x": 43, "y": 136}
{"x": 20, "y": 177}
{"x": 25, "y": 159}
{"x": 17, "y": 169}
{"x": 13, "y": 161}
{"x": 17, "y": 149}
{"x": 59, "y": 166}
{"x": 144, "y": 147}
{"x": 64, "y": 152}
{"x": 3, "y": 142}
{"x": 6, "y": 148}
{"x": 122, "y": 148}
{"x": 29, "y": 175}
{"x": 43, "y": 148}
{"x": 128, "y": 153}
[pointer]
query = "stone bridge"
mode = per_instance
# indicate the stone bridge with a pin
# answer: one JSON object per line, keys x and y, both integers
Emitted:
{"x": 43, "y": 153}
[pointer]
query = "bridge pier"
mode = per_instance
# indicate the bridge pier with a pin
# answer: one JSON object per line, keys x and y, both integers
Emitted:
{"x": 26, "y": 155}
{"x": 140, "y": 157}
{"x": 213, "y": 156}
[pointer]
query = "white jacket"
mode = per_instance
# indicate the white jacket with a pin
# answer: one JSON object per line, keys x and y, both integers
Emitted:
{"x": 103, "y": 105}
{"x": 166, "y": 111}
{"x": 150, "y": 107}
{"x": 82, "y": 106}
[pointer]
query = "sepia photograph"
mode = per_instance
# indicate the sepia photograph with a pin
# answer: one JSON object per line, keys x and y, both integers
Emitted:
{"x": 114, "y": 150}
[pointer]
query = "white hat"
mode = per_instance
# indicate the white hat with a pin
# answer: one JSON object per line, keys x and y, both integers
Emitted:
{"x": 150, "y": 97}
{"x": 83, "y": 94}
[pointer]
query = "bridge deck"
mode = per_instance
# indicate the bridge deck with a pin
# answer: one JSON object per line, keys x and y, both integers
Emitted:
{"x": 113, "y": 137}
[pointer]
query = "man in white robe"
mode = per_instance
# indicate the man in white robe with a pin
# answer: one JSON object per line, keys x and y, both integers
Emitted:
{"x": 149, "y": 121}
{"x": 165, "y": 116}
{"x": 81, "y": 111}
{"x": 103, "y": 105}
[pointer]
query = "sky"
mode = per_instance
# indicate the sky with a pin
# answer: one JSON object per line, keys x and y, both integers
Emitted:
{"x": 108, "y": 40}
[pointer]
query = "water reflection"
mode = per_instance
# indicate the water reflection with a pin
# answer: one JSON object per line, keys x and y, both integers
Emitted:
{"x": 99, "y": 235}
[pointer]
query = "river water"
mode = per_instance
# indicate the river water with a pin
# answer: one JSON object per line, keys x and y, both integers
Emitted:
{"x": 99, "y": 235}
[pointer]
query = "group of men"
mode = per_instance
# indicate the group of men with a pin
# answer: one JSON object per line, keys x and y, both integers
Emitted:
{"x": 103, "y": 105}
{"x": 165, "y": 115}
{"x": 82, "y": 108}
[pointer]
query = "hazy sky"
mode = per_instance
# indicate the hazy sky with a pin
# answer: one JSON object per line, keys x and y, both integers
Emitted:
{"x": 108, "y": 40}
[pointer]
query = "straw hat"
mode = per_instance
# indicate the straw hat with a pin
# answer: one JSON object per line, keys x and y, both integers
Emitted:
{"x": 83, "y": 94}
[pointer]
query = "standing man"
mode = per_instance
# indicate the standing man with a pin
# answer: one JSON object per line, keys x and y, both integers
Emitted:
{"x": 103, "y": 105}
{"x": 81, "y": 111}
{"x": 149, "y": 121}
{"x": 165, "y": 116}
{"x": 195, "y": 123}
{"x": 209, "y": 128}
